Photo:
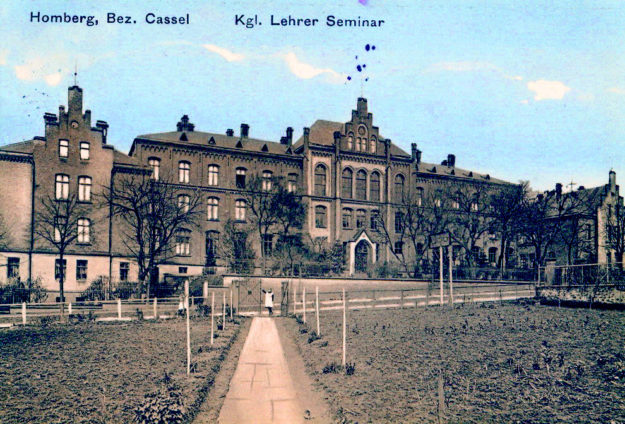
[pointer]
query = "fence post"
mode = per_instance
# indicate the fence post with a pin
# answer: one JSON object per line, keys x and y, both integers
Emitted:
{"x": 294, "y": 300}
{"x": 500, "y": 298}
{"x": 155, "y": 309}
{"x": 119, "y": 309}
{"x": 401, "y": 299}
{"x": 212, "y": 317}
{"x": 186, "y": 295}
{"x": 440, "y": 271}
{"x": 24, "y": 313}
{"x": 205, "y": 292}
{"x": 375, "y": 299}
{"x": 69, "y": 308}
{"x": 317, "y": 309}
{"x": 344, "y": 326}
{"x": 304, "y": 304}
{"x": 224, "y": 312}
{"x": 451, "y": 279}
{"x": 231, "y": 308}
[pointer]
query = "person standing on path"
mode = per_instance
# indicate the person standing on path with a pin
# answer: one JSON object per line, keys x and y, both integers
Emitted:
{"x": 269, "y": 300}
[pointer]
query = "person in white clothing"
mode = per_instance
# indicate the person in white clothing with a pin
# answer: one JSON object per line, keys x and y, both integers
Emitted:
{"x": 269, "y": 300}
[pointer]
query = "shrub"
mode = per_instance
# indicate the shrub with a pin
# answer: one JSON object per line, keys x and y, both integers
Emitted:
{"x": 164, "y": 406}
{"x": 16, "y": 291}
{"x": 332, "y": 368}
{"x": 313, "y": 336}
{"x": 350, "y": 368}
{"x": 95, "y": 291}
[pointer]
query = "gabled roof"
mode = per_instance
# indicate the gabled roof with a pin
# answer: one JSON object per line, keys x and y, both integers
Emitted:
{"x": 27, "y": 146}
{"x": 120, "y": 158}
{"x": 199, "y": 138}
{"x": 453, "y": 171}
{"x": 322, "y": 132}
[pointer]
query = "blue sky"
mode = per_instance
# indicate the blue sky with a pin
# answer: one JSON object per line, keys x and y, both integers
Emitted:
{"x": 521, "y": 90}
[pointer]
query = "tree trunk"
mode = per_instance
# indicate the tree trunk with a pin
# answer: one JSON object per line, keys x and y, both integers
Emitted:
{"x": 62, "y": 271}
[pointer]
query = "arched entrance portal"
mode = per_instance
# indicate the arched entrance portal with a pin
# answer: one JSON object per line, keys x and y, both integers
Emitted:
{"x": 361, "y": 256}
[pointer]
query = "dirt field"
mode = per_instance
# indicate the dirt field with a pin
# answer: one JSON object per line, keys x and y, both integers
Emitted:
{"x": 99, "y": 373}
{"x": 511, "y": 363}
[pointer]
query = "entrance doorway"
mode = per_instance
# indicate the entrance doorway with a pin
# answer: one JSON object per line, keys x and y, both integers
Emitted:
{"x": 361, "y": 257}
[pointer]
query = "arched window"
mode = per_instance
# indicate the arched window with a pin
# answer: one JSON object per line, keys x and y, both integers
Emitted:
{"x": 321, "y": 217}
{"x": 346, "y": 190}
{"x": 212, "y": 209}
{"x": 399, "y": 188}
{"x": 184, "y": 169}
{"x": 320, "y": 180}
{"x": 347, "y": 218}
{"x": 240, "y": 177}
{"x": 361, "y": 218}
{"x": 239, "y": 210}
{"x": 183, "y": 242}
{"x": 183, "y": 203}
{"x": 350, "y": 141}
{"x": 63, "y": 148}
{"x": 373, "y": 144}
{"x": 375, "y": 217}
{"x": 419, "y": 196}
{"x": 361, "y": 185}
{"x": 374, "y": 194}
{"x": 84, "y": 150}
{"x": 61, "y": 186}
{"x": 292, "y": 183}
{"x": 84, "y": 189}
{"x": 267, "y": 180}
{"x": 213, "y": 175}
{"x": 212, "y": 241}
{"x": 155, "y": 164}
{"x": 84, "y": 226}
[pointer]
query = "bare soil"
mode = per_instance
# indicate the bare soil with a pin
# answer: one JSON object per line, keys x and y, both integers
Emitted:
{"x": 100, "y": 373}
{"x": 510, "y": 363}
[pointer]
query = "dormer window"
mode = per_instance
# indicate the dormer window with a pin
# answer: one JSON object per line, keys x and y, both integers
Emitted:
{"x": 84, "y": 150}
{"x": 63, "y": 148}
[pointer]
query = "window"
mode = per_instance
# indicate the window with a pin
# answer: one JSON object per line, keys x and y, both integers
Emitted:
{"x": 492, "y": 255}
{"x": 373, "y": 145}
{"x": 419, "y": 196}
{"x": 62, "y": 186}
{"x": 60, "y": 223}
{"x": 267, "y": 244}
{"x": 184, "y": 202}
{"x": 361, "y": 185}
{"x": 350, "y": 141}
{"x": 84, "y": 189}
{"x": 240, "y": 177}
{"x": 84, "y": 150}
{"x": 399, "y": 247}
{"x": 456, "y": 204}
{"x": 320, "y": 180}
{"x": 81, "y": 269}
{"x": 83, "y": 230}
{"x": 438, "y": 202}
{"x": 13, "y": 267}
{"x": 475, "y": 252}
{"x": 361, "y": 218}
{"x": 346, "y": 190}
{"x": 292, "y": 183}
{"x": 374, "y": 219}
{"x": 399, "y": 188}
{"x": 183, "y": 242}
{"x": 239, "y": 210}
{"x": 267, "y": 177}
{"x": 59, "y": 269}
{"x": 63, "y": 148}
{"x": 213, "y": 175}
{"x": 240, "y": 245}
{"x": 124, "y": 269}
{"x": 184, "y": 169}
{"x": 347, "y": 218}
{"x": 399, "y": 224}
{"x": 213, "y": 209}
{"x": 321, "y": 217}
{"x": 375, "y": 187}
{"x": 212, "y": 240}
{"x": 474, "y": 206}
{"x": 182, "y": 269}
{"x": 155, "y": 164}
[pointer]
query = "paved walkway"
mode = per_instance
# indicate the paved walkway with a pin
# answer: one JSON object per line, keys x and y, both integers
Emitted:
{"x": 261, "y": 390}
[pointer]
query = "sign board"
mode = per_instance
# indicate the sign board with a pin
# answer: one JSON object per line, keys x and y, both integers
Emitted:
{"x": 440, "y": 240}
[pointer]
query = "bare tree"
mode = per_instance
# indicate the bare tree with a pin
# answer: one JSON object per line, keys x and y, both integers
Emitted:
{"x": 615, "y": 231}
{"x": 234, "y": 247}
{"x": 290, "y": 218}
{"x": 506, "y": 210}
{"x": 57, "y": 222}
{"x": 4, "y": 234}
{"x": 152, "y": 214}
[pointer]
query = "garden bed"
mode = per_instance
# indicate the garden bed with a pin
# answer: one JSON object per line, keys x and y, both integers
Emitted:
{"x": 494, "y": 363}
{"x": 100, "y": 373}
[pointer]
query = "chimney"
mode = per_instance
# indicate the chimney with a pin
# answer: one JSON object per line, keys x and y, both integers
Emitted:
{"x": 103, "y": 126}
{"x": 451, "y": 160}
{"x": 306, "y": 136}
{"x": 612, "y": 180}
{"x": 229, "y": 132}
{"x": 418, "y": 156}
{"x": 289, "y": 135}
{"x": 558, "y": 189}
{"x": 414, "y": 151}
{"x": 245, "y": 130}
{"x": 87, "y": 118}
{"x": 337, "y": 137}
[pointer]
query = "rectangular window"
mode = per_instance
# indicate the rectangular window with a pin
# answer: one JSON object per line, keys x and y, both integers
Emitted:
{"x": 239, "y": 210}
{"x": 84, "y": 150}
{"x": 182, "y": 270}
{"x": 212, "y": 211}
{"x": 84, "y": 189}
{"x": 124, "y": 269}
{"x": 58, "y": 269}
{"x": 184, "y": 169}
{"x": 13, "y": 267}
{"x": 268, "y": 244}
{"x": 81, "y": 269}
{"x": 399, "y": 247}
{"x": 292, "y": 183}
{"x": 347, "y": 218}
{"x": 61, "y": 186}
{"x": 213, "y": 175}
{"x": 361, "y": 218}
{"x": 374, "y": 219}
{"x": 399, "y": 224}
{"x": 84, "y": 235}
{"x": 212, "y": 240}
{"x": 155, "y": 164}
{"x": 321, "y": 217}
{"x": 240, "y": 178}
{"x": 63, "y": 148}
{"x": 183, "y": 241}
